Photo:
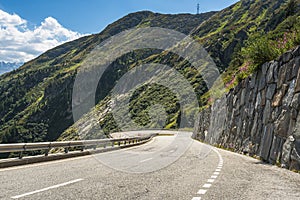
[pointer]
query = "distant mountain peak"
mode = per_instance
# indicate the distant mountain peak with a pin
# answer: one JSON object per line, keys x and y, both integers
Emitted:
{"x": 8, "y": 66}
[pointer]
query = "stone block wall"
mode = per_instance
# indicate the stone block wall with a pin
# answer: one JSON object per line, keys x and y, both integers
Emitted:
{"x": 260, "y": 116}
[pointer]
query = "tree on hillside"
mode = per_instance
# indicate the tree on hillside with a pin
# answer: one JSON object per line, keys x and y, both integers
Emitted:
{"x": 291, "y": 7}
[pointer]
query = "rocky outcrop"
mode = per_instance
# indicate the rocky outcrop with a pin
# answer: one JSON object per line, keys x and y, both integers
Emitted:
{"x": 260, "y": 116}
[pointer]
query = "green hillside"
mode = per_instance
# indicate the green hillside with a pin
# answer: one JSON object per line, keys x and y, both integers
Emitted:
{"x": 224, "y": 33}
{"x": 247, "y": 34}
{"x": 36, "y": 99}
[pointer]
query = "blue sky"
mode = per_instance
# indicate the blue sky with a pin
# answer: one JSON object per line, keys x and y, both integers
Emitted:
{"x": 91, "y": 16}
{"x": 31, "y": 27}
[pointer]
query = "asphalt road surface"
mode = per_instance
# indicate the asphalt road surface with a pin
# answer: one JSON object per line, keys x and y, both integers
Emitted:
{"x": 168, "y": 167}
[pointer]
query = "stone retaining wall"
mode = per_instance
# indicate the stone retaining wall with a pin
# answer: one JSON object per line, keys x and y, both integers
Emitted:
{"x": 260, "y": 116}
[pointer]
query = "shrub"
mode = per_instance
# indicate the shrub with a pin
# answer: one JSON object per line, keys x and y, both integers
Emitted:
{"x": 291, "y": 7}
{"x": 258, "y": 50}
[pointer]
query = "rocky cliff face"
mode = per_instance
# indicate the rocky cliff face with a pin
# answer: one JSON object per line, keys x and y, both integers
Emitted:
{"x": 260, "y": 116}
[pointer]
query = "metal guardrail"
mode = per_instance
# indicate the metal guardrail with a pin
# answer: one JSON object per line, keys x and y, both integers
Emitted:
{"x": 67, "y": 145}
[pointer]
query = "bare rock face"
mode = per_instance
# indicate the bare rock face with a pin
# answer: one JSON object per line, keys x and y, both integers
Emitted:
{"x": 282, "y": 123}
{"x": 287, "y": 151}
{"x": 295, "y": 147}
{"x": 260, "y": 116}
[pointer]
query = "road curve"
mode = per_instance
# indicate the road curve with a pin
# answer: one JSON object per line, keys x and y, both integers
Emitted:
{"x": 160, "y": 169}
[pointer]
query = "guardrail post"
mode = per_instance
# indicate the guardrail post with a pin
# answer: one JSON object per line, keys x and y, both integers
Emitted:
{"x": 47, "y": 152}
{"x": 21, "y": 155}
{"x": 67, "y": 150}
{"x": 112, "y": 144}
{"x": 119, "y": 143}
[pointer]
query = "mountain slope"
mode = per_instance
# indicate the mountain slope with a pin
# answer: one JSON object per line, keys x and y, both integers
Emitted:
{"x": 35, "y": 100}
{"x": 231, "y": 28}
{"x": 233, "y": 38}
{"x": 224, "y": 33}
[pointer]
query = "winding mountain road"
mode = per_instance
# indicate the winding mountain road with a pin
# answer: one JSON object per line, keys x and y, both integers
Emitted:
{"x": 168, "y": 167}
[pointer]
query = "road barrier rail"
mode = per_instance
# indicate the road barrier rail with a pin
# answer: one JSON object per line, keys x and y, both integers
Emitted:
{"x": 70, "y": 149}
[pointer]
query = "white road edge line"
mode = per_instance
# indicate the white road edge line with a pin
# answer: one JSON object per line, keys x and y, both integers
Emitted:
{"x": 146, "y": 160}
{"x": 43, "y": 164}
{"x": 213, "y": 177}
{"x": 48, "y": 188}
{"x": 206, "y": 185}
{"x": 201, "y": 191}
{"x": 196, "y": 198}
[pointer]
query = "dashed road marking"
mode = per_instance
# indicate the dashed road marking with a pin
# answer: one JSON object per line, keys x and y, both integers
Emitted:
{"x": 201, "y": 191}
{"x": 45, "y": 189}
{"x": 206, "y": 185}
{"x": 212, "y": 178}
{"x": 146, "y": 160}
{"x": 196, "y": 198}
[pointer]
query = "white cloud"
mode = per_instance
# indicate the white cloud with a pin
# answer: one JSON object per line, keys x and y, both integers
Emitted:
{"x": 19, "y": 43}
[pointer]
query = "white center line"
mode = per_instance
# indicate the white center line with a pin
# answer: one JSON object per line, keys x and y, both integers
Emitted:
{"x": 216, "y": 173}
{"x": 214, "y": 176}
{"x": 45, "y": 189}
{"x": 218, "y": 170}
{"x": 146, "y": 160}
{"x": 210, "y": 180}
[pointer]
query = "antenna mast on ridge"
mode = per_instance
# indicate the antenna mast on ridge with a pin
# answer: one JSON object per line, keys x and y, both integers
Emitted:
{"x": 198, "y": 9}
